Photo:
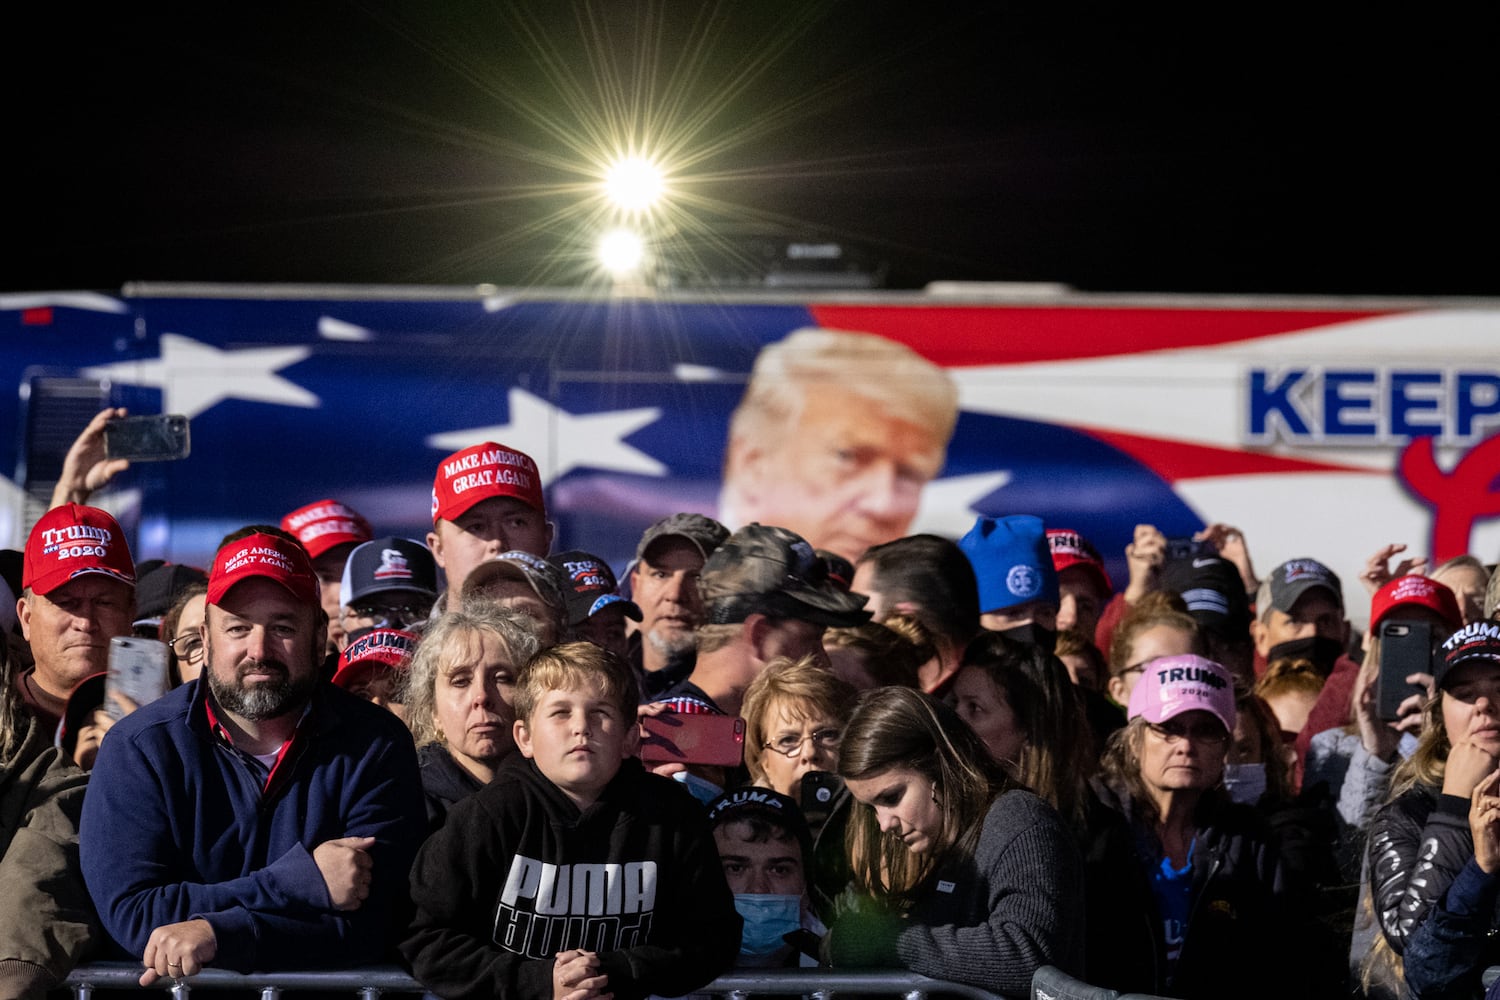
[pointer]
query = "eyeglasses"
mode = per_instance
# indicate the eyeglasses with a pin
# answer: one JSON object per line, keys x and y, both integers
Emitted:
{"x": 188, "y": 647}
{"x": 387, "y": 616}
{"x": 1173, "y": 731}
{"x": 790, "y": 746}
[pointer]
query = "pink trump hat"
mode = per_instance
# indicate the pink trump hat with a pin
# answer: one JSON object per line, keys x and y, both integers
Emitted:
{"x": 1171, "y": 685}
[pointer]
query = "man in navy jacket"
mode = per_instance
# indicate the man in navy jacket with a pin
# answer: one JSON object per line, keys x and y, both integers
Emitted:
{"x": 259, "y": 818}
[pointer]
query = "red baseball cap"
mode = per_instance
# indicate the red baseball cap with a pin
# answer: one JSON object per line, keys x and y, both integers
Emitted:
{"x": 480, "y": 472}
{"x": 269, "y": 556}
{"x": 387, "y": 647}
{"x": 321, "y": 526}
{"x": 1418, "y": 592}
{"x": 70, "y": 541}
{"x": 1069, "y": 548}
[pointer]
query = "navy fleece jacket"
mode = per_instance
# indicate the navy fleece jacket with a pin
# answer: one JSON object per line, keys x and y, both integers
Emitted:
{"x": 177, "y": 825}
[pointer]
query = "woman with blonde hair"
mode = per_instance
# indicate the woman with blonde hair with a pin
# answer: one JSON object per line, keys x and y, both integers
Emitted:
{"x": 794, "y": 713}
{"x": 1156, "y": 625}
{"x": 880, "y": 654}
{"x": 1290, "y": 686}
{"x": 458, "y": 698}
{"x": 1422, "y": 842}
{"x": 959, "y": 873}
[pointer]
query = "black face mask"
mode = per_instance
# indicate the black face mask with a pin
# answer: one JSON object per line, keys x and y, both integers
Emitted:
{"x": 1033, "y": 635}
{"x": 1321, "y": 650}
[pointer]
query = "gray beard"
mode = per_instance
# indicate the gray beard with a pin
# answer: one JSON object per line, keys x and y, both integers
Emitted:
{"x": 263, "y": 701}
{"x": 673, "y": 645}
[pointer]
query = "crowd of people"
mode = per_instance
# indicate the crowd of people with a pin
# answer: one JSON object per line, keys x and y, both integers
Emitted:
{"x": 518, "y": 775}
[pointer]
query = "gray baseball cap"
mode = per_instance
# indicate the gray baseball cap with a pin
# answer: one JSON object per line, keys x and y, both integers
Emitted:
{"x": 704, "y": 533}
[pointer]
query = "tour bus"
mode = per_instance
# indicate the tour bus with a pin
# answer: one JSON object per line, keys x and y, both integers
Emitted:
{"x": 1318, "y": 427}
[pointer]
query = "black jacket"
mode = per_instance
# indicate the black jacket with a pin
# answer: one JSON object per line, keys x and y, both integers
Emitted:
{"x": 1239, "y": 941}
{"x": 1418, "y": 843}
{"x": 444, "y": 782}
{"x": 517, "y": 874}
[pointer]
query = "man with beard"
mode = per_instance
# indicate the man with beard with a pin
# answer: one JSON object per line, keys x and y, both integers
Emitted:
{"x": 664, "y": 585}
{"x": 257, "y": 818}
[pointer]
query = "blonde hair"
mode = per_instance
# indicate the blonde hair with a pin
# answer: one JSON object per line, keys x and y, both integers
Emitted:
{"x": 1289, "y": 675}
{"x": 577, "y": 666}
{"x": 1425, "y": 766}
{"x": 890, "y": 376}
{"x": 445, "y": 638}
{"x": 893, "y": 650}
{"x": 803, "y": 689}
{"x": 710, "y": 638}
{"x": 1159, "y": 607}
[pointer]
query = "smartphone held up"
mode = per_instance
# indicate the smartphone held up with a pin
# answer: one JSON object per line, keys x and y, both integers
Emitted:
{"x": 160, "y": 437}
{"x": 137, "y": 670}
{"x": 1406, "y": 647}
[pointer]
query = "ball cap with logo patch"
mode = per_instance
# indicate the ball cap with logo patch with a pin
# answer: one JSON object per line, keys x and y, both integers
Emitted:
{"x": 263, "y": 555}
{"x": 767, "y": 570}
{"x": 326, "y": 524}
{"x": 388, "y": 564}
{"x": 379, "y": 647}
{"x": 1069, "y": 549}
{"x": 544, "y": 579}
{"x": 1212, "y": 589}
{"x": 1295, "y": 577}
{"x": 753, "y": 803}
{"x": 1172, "y": 685}
{"x": 1414, "y": 592}
{"x": 483, "y": 471}
{"x": 1012, "y": 561}
{"x": 71, "y": 541}
{"x": 591, "y": 587}
{"x": 1477, "y": 641}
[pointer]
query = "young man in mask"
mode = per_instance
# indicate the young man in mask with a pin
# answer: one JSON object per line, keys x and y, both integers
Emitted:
{"x": 766, "y": 849}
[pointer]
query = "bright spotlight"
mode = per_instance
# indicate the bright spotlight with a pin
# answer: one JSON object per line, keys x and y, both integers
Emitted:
{"x": 621, "y": 252}
{"x": 634, "y": 184}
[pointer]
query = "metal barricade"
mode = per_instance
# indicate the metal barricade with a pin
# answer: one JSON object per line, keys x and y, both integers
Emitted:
{"x": 370, "y": 983}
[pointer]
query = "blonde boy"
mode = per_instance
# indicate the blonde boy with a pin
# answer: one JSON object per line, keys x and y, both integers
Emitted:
{"x": 576, "y": 873}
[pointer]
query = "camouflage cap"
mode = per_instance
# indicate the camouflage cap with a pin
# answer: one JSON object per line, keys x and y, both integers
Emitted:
{"x": 773, "y": 571}
{"x": 704, "y": 533}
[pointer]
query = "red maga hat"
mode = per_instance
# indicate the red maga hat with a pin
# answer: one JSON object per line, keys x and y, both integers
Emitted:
{"x": 70, "y": 541}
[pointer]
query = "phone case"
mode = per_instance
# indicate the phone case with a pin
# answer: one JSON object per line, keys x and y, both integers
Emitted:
{"x": 1405, "y": 649}
{"x": 693, "y": 739}
{"x": 154, "y": 438}
{"x": 137, "y": 669}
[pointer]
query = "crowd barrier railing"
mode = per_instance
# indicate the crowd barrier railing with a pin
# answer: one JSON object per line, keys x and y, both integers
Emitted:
{"x": 370, "y": 983}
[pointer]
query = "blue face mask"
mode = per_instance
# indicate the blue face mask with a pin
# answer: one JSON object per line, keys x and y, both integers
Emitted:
{"x": 1245, "y": 783}
{"x": 703, "y": 791}
{"x": 768, "y": 919}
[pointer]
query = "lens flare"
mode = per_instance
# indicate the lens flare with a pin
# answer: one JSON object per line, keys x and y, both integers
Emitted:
{"x": 621, "y": 253}
{"x": 634, "y": 184}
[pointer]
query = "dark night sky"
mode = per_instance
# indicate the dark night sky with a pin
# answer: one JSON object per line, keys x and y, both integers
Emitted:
{"x": 1101, "y": 147}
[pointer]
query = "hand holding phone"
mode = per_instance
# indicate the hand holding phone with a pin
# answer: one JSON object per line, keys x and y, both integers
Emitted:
{"x": 693, "y": 739}
{"x": 1406, "y": 648}
{"x": 137, "y": 669}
